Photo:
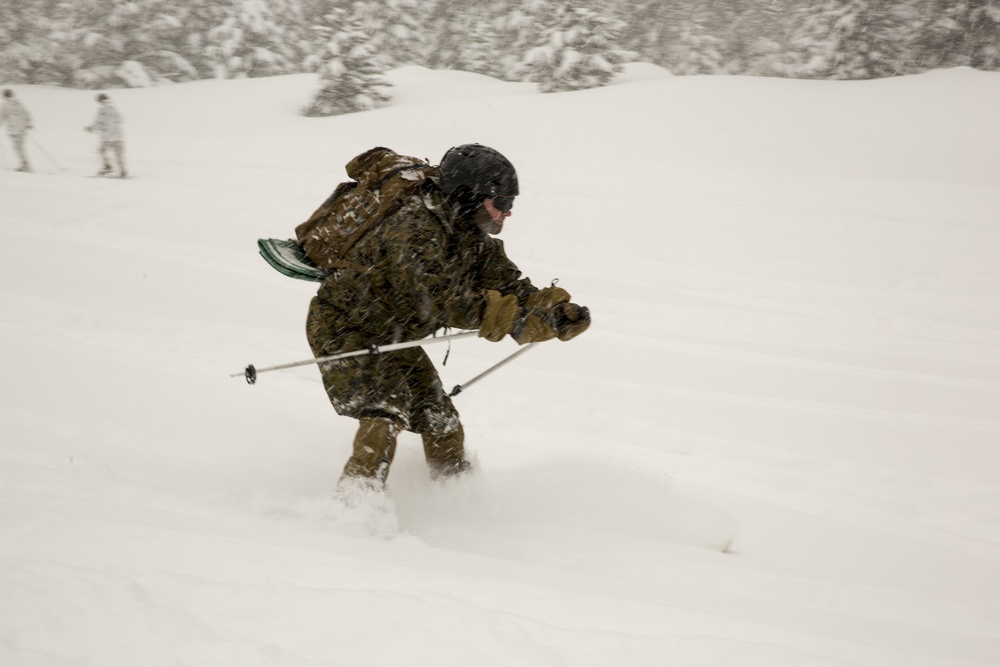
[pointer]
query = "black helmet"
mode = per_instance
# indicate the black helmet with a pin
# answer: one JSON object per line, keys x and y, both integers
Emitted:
{"x": 102, "y": 97}
{"x": 477, "y": 170}
{"x": 7, "y": 92}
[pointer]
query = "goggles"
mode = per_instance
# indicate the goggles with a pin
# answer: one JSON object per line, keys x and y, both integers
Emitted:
{"x": 503, "y": 204}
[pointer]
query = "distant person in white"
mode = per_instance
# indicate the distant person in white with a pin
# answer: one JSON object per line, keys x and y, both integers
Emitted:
{"x": 18, "y": 122}
{"x": 108, "y": 125}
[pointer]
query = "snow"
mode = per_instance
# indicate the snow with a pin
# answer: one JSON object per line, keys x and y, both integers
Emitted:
{"x": 796, "y": 346}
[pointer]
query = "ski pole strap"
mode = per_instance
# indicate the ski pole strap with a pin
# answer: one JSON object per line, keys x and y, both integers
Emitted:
{"x": 461, "y": 387}
{"x": 250, "y": 372}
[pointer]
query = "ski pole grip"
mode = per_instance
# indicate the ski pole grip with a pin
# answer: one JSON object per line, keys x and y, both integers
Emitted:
{"x": 250, "y": 374}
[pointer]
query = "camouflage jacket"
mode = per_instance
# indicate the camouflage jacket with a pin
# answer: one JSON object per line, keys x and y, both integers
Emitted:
{"x": 428, "y": 268}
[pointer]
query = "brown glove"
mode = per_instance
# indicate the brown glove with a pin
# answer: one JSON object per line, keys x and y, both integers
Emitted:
{"x": 550, "y": 314}
{"x": 570, "y": 320}
{"x": 546, "y": 298}
{"x": 500, "y": 314}
{"x": 535, "y": 323}
{"x": 547, "y": 314}
{"x": 532, "y": 328}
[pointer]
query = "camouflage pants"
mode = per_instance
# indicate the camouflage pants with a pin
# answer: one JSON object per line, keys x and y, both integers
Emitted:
{"x": 388, "y": 392}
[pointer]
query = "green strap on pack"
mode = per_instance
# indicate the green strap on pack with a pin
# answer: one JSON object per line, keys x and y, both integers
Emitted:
{"x": 288, "y": 257}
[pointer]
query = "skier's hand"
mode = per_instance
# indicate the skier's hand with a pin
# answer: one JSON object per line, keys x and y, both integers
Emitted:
{"x": 532, "y": 327}
{"x": 500, "y": 314}
{"x": 570, "y": 320}
{"x": 546, "y": 298}
{"x": 534, "y": 322}
{"x": 548, "y": 314}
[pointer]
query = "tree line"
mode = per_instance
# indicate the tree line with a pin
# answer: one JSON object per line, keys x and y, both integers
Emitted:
{"x": 559, "y": 44}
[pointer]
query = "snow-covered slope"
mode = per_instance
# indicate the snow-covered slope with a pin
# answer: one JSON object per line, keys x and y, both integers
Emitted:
{"x": 796, "y": 346}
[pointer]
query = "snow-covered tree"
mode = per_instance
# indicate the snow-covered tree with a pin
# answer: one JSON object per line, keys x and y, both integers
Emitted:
{"x": 850, "y": 39}
{"x": 470, "y": 37}
{"x": 871, "y": 41}
{"x": 481, "y": 49}
{"x": 695, "y": 50}
{"x": 349, "y": 75}
{"x": 254, "y": 39}
{"x": 983, "y": 34}
{"x": 649, "y": 27}
{"x": 577, "y": 48}
{"x": 521, "y": 27}
{"x": 393, "y": 29}
{"x": 749, "y": 34}
{"x": 572, "y": 43}
{"x": 199, "y": 18}
{"x": 962, "y": 32}
{"x": 130, "y": 43}
{"x": 27, "y": 43}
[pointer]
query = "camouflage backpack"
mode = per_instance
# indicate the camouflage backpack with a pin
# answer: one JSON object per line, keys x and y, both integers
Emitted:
{"x": 383, "y": 180}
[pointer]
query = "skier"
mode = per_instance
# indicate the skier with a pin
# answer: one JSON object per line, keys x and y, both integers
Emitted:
{"x": 18, "y": 122}
{"x": 108, "y": 125}
{"x": 430, "y": 265}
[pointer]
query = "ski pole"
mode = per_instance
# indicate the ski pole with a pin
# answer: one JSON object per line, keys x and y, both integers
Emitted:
{"x": 44, "y": 152}
{"x": 250, "y": 373}
{"x": 460, "y": 387}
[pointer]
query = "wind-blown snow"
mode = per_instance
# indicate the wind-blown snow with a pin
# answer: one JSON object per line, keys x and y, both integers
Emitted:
{"x": 795, "y": 288}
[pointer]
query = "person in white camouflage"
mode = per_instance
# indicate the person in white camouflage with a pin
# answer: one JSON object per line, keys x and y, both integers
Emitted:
{"x": 108, "y": 126}
{"x": 429, "y": 265}
{"x": 18, "y": 122}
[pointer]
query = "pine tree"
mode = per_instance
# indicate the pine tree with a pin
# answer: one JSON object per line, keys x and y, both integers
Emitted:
{"x": 350, "y": 77}
{"x": 446, "y": 23}
{"x": 393, "y": 30}
{"x": 134, "y": 43}
{"x": 478, "y": 50}
{"x": 104, "y": 43}
{"x": 851, "y": 39}
{"x": 577, "y": 48}
{"x": 776, "y": 52}
{"x": 26, "y": 43}
{"x": 696, "y": 50}
{"x": 984, "y": 34}
{"x": 870, "y": 41}
{"x": 465, "y": 37}
{"x": 254, "y": 39}
{"x": 962, "y": 32}
{"x": 199, "y": 18}
{"x": 749, "y": 33}
{"x": 815, "y": 47}
{"x": 651, "y": 28}
{"x": 522, "y": 27}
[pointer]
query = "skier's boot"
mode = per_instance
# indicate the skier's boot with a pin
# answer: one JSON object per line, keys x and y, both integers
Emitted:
{"x": 374, "y": 447}
{"x": 105, "y": 170}
{"x": 445, "y": 453}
